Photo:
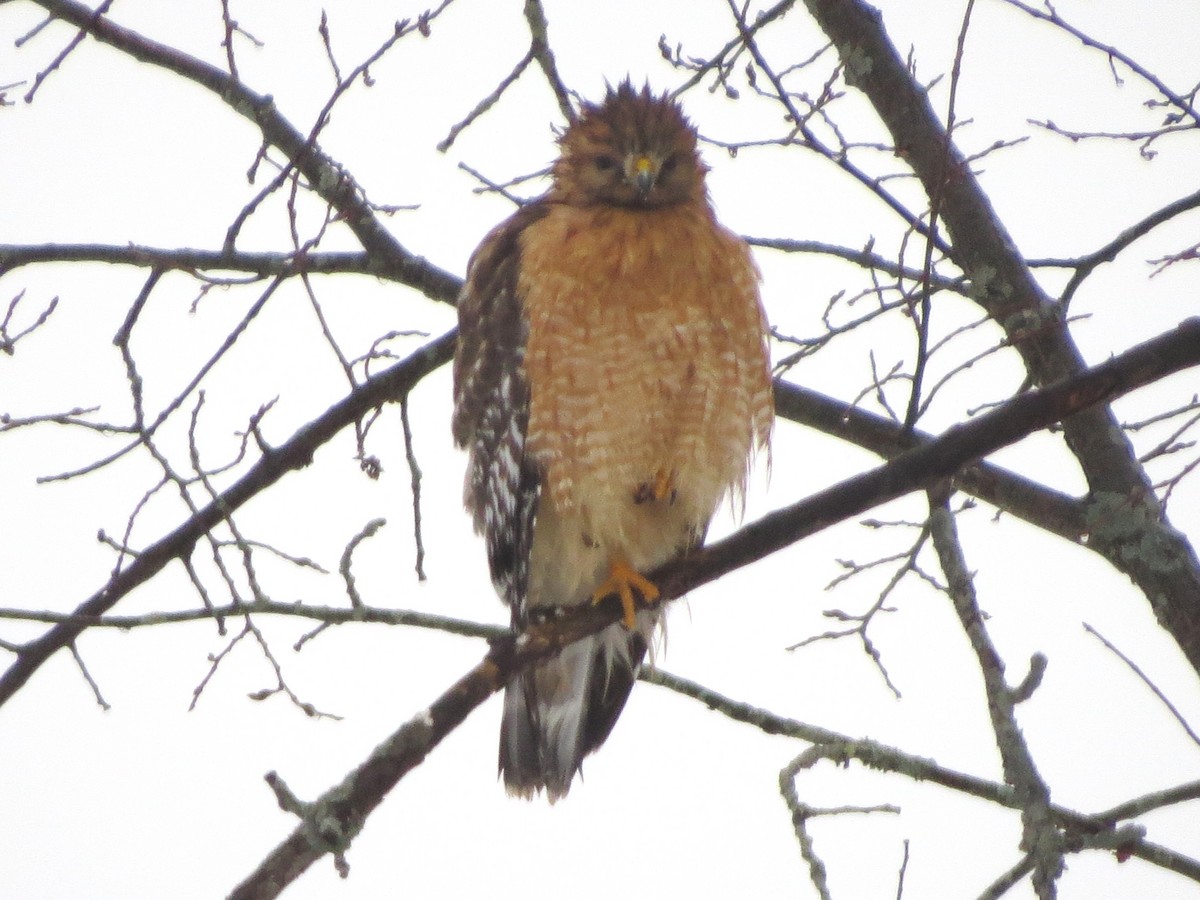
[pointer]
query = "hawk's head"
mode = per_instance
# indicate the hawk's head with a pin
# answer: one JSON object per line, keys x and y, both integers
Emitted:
{"x": 635, "y": 149}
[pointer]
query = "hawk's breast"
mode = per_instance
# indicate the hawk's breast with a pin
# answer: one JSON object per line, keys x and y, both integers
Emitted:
{"x": 645, "y": 355}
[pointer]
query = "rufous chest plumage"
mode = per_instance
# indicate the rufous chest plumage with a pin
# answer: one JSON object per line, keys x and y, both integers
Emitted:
{"x": 645, "y": 353}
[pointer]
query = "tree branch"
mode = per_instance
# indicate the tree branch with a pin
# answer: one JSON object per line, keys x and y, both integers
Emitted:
{"x": 1039, "y": 838}
{"x": 343, "y": 809}
{"x": 914, "y": 469}
{"x": 296, "y": 453}
{"x": 435, "y": 283}
{"x": 329, "y": 179}
{"x": 1184, "y": 108}
{"x": 841, "y": 748}
{"x": 922, "y": 466}
{"x": 1003, "y": 285}
{"x": 535, "y": 16}
{"x": 1035, "y": 503}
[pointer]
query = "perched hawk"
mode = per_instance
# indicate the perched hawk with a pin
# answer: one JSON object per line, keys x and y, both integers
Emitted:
{"x": 610, "y": 385}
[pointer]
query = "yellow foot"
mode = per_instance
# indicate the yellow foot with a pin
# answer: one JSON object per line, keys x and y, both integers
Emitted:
{"x": 623, "y": 581}
{"x": 661, "y": 488}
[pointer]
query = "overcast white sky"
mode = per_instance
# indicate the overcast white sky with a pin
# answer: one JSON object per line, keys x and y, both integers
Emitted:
{"x": 150, "y": 800}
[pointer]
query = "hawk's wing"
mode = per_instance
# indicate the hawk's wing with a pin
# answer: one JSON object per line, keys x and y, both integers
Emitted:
{"x": 560, "y": 711}
{"x": 491, "y": 407}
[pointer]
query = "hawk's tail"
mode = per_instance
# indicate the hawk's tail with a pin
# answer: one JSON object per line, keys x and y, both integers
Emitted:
{"x": 559, "y": 712}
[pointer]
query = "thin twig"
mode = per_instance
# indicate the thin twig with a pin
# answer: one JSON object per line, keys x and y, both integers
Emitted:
{"x": 487, "y": 102}
{"x": 87, "y": 676}
{"x": 1145, "y": 679}
{"x": 414, "y": 470}
{"x": 368, "y": 530}
{"x": 535, "y": 16}
{"x": 921, "y": 320}
{"x": 75, "y": 41}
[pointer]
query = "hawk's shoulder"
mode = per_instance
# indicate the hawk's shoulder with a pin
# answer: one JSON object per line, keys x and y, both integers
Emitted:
{"x": 490, "y": 338}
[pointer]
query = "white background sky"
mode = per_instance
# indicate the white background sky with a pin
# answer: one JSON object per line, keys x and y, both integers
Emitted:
{"x": 150, "y": 800}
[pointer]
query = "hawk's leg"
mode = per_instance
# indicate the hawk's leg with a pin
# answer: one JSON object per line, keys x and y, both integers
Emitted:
{"x": 623, "y": 580}
{"x": 662, "y": 487}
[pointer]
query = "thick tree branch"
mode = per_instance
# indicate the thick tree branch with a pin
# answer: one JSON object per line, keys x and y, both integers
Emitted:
{"x": 1035, "y": 503}
{"x": 841, "y": 749}
{"x": 329, "y": 179}
{"x": 1004, "y": 286}
{"x": 1121, "y": 517}
{"x": 942, "y": 458}
{"x": 912, "y": 470}
{"x": 296, "y": 453}
{"x": 342, "y": 810}
{"x": 1007, "y": 490}
{"x": 434, "y": 283}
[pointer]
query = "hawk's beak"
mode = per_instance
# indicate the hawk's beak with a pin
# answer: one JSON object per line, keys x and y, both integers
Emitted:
{"x": 645, "y": 173}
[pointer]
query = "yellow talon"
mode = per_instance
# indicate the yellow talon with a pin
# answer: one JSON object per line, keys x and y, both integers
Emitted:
{"x": 661, "y": 488}
{"x": 622, "y": 581}
{"x": 664, "y": 484}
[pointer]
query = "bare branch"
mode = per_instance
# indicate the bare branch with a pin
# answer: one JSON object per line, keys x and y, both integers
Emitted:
{"x": 841, "y": 749}
{"x": 293, "y": 454}
{"x": 1184, "y": 109}
{"x": 1085, "y": 265}
{"x": 487, "y": 102}
{"x": 326, "y": 176}
{"x": 8, "y": 342}
{"x": 1037, "y": 504}
{"x": 328, "y": 615}
{"x": 535, "y": 15}
{"x": 1137, "y": 670}
{"x": 1004, "y": 287}
{"x": 414, "y": 471}
{"x": 41, "y": 76}
{"x": 368, "y": 530}
{"x": 87, "y": 676}
{"x": 362, "y": 790}
{"x": 1040, "y": 838}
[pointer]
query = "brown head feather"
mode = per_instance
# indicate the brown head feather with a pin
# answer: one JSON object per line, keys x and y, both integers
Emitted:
{"x": 636, "y": 149}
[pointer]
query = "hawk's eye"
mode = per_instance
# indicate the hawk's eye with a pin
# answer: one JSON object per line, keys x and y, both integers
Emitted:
{"x": 604, "y": 162}
{"x": 668, "y": 165}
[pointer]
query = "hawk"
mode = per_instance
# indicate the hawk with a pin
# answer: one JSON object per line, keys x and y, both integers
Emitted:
{"x": 611, "y": 384}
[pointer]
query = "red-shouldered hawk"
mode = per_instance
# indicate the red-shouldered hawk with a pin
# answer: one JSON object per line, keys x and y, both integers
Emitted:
{"x": 611, "y": 384}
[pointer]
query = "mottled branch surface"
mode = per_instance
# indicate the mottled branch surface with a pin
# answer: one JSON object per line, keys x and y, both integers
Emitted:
{"x": 1004, "y": 287}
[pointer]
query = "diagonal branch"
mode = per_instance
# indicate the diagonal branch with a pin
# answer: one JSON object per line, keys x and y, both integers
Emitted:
{"x": 1005, "y": 288}
{"x": 841, "y": 749}
{"x": 330, "y": 180}
{"x": 1085, "y": 265}
{"x": 914, "y": 469}
{"x": 296, "y": 453}
{"x": 342, "y": 810}
{"x": 1040, "y": 839}
{"x": 924, "y": 465}
{"x": 1184, "y": 107}
{"x": 1035, "y": 503}
{"x": 535, "y": 16}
